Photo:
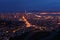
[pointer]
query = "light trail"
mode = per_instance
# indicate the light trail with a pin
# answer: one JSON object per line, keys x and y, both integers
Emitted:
{"x": 25, "y": 20}
{"x": 16, "y": 30}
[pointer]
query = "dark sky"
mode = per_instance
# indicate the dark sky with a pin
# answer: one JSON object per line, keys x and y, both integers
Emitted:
{"x": 29, "y": 5}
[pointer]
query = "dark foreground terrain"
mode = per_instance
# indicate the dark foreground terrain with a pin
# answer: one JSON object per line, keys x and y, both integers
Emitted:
{"x": 38, "y": 36}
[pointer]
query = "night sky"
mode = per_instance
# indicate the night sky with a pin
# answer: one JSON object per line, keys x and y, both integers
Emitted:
{"x": 29, "y": 5}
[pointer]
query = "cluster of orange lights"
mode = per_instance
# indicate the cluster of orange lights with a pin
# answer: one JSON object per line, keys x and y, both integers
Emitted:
{"x": 29, "y": 24}
{"x": 25, "y": 20}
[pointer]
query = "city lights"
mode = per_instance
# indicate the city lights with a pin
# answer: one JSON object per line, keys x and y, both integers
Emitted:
{"x": 23, "y": 22}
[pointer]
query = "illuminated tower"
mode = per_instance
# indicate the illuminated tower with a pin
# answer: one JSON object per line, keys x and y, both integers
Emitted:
{"x": 25, "y": 11}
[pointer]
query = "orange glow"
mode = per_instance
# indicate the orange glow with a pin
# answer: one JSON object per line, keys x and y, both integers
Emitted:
{"x": 43, "y": 13}
{"x": 16, "y": 30}
{"x": 27, "y": 23}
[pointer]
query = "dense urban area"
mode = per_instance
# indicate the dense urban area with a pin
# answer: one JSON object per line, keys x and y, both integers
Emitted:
{"x": 18, "y": 23}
